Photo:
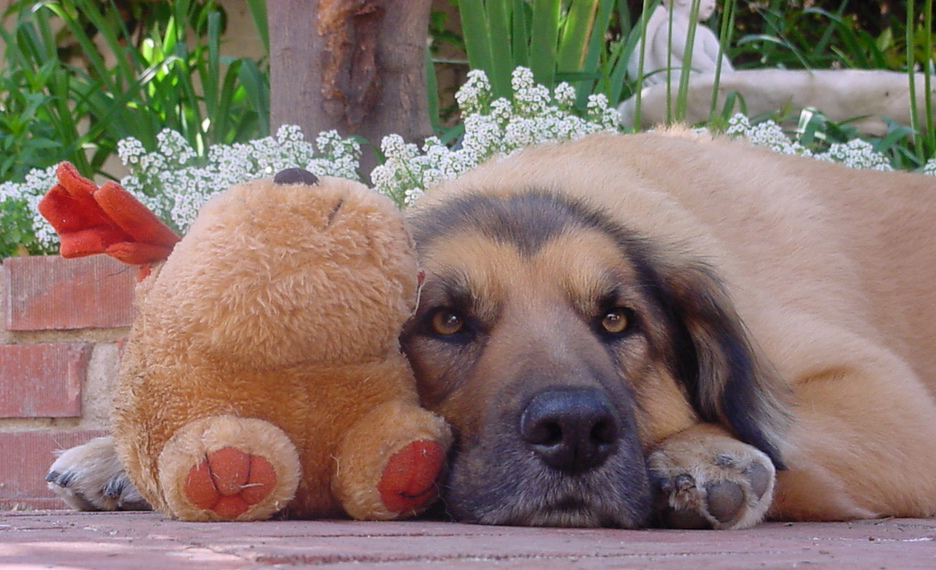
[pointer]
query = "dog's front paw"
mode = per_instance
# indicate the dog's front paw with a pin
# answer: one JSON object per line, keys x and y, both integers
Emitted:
{"x": 90, "y": 477}
{"x": 707, "y": 479}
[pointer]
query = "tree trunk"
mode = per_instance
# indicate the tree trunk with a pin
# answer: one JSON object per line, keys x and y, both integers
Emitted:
{"x": 356, "y": 66}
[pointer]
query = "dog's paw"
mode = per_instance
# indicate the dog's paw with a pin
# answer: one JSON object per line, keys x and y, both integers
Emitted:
{"x": 708, "y": 480}
{"x": 90, "y": 477}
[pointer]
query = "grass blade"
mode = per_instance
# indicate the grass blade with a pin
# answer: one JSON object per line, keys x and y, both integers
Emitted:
{"x": 544, "y": 39}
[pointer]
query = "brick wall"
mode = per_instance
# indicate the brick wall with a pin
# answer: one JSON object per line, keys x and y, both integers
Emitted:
{"x": 62, "y": 320}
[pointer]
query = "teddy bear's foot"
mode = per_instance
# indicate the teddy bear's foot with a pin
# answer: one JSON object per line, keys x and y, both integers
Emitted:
{"x": 389, "y": 460}
{"x": 408, "y": 482}
{"x": 228, "y": 468}
{"x": 229, "y": 481}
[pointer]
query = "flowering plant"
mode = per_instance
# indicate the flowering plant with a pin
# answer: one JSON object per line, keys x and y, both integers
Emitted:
{"x": 493, "y": 127}
{"x": 856, "y": 153}
{"x": 22, "y": 229}
{"x": 174, "y": 182}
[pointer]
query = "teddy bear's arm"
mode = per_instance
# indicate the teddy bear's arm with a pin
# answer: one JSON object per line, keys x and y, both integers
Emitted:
{"x": 392, "y": 475}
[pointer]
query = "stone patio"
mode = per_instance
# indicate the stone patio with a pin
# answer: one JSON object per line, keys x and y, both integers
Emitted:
{"x": 143, "y": 541}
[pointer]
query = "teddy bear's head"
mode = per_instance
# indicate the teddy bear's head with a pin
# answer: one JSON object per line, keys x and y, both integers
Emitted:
{"x": 278, "y": 265}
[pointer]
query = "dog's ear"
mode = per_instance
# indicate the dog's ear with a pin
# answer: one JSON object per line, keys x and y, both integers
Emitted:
{"x": 727, "y": 379}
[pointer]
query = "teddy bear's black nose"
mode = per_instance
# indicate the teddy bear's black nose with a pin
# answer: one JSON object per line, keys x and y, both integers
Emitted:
{"x": 295, "y": 176}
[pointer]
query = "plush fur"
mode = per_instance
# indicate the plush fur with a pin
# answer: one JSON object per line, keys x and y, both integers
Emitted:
{"x": 263, "y": 372}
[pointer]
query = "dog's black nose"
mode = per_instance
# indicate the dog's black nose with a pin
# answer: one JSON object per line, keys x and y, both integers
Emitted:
{"x": 571, "y": 429}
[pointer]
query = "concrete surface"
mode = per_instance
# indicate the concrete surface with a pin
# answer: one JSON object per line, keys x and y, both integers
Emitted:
{"x": 144, "y": 541}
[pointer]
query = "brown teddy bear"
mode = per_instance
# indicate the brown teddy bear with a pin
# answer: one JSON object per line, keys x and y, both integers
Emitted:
{"x": 262, "y": 373}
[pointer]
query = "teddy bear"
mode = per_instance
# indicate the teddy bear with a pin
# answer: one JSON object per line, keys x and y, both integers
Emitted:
{"x": 262, "y": 373}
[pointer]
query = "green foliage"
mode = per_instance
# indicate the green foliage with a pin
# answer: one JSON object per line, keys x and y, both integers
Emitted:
{"x": 830, "y": 34}
{"x": 128, "y": 81}
{"x": 16, "y": 231}
{"x": 559, "y": 40}
{"x": 82, "y": 75}
{"x": 30, "y": 126}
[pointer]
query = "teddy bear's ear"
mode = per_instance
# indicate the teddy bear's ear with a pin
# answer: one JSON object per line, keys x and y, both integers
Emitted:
{"x": 295, "y": 176}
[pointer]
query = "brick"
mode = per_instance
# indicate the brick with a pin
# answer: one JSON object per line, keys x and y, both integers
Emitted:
{"x": 27, "y": 456}
{"x": 53, "y": 293}
{"x": 42, "y": 380}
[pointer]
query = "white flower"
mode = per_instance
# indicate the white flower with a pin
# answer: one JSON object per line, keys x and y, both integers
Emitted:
{"x": 856, "y": 153}
{"x": 173, "y": 146}
{"x": 767, "y": 134}
{"x": 34, "y": 186}
{"x": 475, "y": 92}
{"x": 130, "y": 150}
{"x": 493, "y": 128}
{"x": 175, "y": 184}
{"x": 930, "y": 167}
{"x": 565, "y": 95}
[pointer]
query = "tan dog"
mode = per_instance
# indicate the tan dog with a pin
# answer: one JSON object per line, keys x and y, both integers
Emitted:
{"x": 702, "y": 308}
{"x": 641, "y": 329}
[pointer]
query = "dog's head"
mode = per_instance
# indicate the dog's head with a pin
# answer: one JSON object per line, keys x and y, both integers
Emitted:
{"x": 561, "y": 347}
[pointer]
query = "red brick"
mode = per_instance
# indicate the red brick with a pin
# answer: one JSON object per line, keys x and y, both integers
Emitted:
{"x": 27, "y": 456}
{"x": 42, "y": 380}
{"x": 53, "y": 293}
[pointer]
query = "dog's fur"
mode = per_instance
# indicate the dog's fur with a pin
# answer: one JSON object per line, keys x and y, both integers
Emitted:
{"x": 639, "y": 329}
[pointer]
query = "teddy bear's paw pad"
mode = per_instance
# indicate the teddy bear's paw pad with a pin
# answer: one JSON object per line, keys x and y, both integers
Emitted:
{"x": 408, "y": 480}
{"x": 228, "y": 481}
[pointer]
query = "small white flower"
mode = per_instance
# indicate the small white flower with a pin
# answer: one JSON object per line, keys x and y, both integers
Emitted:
{"x": 475, "y": 93}
{"x": 565, "y": 95}
{"x": 930, "y": 167}
{"x": 856, "y": 153}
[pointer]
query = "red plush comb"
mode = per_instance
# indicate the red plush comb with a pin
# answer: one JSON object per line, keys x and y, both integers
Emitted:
{"x": 107, "y": 220}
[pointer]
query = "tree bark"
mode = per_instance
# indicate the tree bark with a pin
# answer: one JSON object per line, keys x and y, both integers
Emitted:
{"x": 356, "y": 66}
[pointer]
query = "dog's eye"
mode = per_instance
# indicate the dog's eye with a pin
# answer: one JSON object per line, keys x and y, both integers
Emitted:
{"x": 616, "y": 321}
{"x": 447, "y": 322}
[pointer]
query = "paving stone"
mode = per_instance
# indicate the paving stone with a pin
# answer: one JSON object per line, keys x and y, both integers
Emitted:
{"x": 150, "y": 541}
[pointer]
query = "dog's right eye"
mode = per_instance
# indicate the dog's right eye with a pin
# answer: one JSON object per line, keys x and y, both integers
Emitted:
{"x": 446, "y": 322}
{"x": 616, "y": 323}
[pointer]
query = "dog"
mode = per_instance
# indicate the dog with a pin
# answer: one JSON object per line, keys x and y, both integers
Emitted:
{"x": 672, "y": 329}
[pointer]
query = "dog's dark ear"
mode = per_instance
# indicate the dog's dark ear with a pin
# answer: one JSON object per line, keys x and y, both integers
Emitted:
{"x": 727, "y": 379}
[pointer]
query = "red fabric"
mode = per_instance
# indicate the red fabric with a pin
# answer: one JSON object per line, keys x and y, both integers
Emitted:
{"x": 408, "y": 480}
{"x": 109, "y": 220}
{"x": 229, "y": 481}
{"x": 136, "y": 219}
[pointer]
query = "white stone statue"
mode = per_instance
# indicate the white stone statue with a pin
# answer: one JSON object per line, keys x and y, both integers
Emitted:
{"x": 668, "y": 52}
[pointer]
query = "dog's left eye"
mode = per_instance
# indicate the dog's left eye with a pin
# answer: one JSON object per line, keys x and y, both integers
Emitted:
{"x": 616, "y": 321}
{"x": 447, "y": 322}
